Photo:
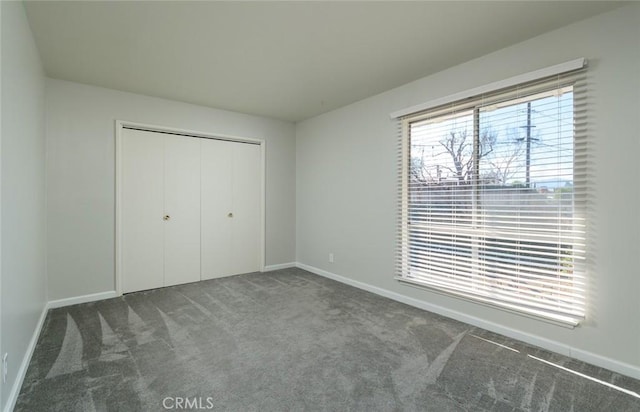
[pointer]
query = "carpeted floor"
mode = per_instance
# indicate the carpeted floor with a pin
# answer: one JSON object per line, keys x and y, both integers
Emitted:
{"x": 289, "y": 340}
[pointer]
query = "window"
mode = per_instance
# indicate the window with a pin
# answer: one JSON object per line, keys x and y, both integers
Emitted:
{"x": 493, "y": 196}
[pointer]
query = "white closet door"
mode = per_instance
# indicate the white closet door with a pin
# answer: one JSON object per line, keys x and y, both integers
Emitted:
{"x": 142, "y": 209}
{"x": 231, "y": 190}
{"x": 182, "y": 209}
{"x": 190, "y": 209}
{"x": 217, "y": 248}
{"x": 246, "y": 207}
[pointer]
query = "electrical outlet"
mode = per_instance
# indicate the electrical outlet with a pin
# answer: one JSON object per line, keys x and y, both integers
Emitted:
{"x": 5, "y": 367}
{"x": 330, "y": 257}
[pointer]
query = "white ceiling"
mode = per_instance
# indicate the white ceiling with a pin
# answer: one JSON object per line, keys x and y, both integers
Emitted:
{"x": 286, "y": 60}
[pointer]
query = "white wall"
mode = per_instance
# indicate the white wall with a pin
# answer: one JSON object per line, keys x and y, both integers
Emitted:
{"x": 81, "y": 177}
{"x": 23, "y": 189}
{"x": 346, "y": 186}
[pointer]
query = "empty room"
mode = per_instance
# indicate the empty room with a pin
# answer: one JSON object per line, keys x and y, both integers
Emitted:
{"x": 320, "y": 205}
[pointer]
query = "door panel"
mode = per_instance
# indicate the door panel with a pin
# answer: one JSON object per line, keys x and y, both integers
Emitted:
{"x": 142, "y": 209}
{"x": 246, "y": 207}
{"x": 182, "y": 206}
{"x": 217, "y": 248}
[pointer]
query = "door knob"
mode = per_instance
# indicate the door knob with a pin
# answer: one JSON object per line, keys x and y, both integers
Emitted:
{"x": 230, "y": 215}
{"x": 166, "y": 217}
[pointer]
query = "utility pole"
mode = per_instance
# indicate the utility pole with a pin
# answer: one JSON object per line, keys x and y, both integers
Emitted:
{"x": 529, "y": 126}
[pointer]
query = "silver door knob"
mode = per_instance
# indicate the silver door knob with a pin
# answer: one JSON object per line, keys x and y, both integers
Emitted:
{"x": 230, "y": 215}
{"x": 166, "y": 217}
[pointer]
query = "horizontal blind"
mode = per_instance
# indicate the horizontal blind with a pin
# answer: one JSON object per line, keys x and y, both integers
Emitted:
{"x": 493, "y": 194}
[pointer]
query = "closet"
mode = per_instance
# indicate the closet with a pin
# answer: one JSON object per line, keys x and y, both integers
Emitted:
{"x": 190, "y": 208}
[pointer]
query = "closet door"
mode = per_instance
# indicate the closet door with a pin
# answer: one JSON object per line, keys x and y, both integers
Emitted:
{"x": 142, "y": 208}
{"x": 181, "y": 209}
{"x": 217, "y": 213}
{"x": 246, "y": 207}
{"x": 190, "y": 209}
{"x": 231, "y": 189}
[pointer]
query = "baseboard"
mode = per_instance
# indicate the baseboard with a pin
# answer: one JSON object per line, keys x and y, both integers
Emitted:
{"x": 548, "y": 344}
{"x": 607, "y": 363}
{"x": 22, "y": 371}
{"x": 81, "y": 299}
{"x": 269, "y": 268}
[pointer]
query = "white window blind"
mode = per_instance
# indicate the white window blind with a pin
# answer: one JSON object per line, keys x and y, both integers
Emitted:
{"x": 493, "y": 195}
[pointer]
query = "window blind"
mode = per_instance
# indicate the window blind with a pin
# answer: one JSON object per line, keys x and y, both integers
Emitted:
{"x": 493, "y": 196}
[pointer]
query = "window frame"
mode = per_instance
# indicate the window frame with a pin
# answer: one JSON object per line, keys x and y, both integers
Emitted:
{"x": 474, "y": 102}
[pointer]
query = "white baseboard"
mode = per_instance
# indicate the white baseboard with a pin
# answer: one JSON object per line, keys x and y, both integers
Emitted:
{"x": 22, "y": 371}
{"x": 81, "y": 299}
{"x": 269, "y": 268}
{"x": 548, "y": 344}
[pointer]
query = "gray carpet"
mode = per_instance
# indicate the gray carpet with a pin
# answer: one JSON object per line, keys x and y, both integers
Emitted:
{"x": 289, "y": 340}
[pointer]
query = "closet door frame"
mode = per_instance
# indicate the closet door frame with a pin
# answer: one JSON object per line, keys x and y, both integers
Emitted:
{"x": 120, "y": 125}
